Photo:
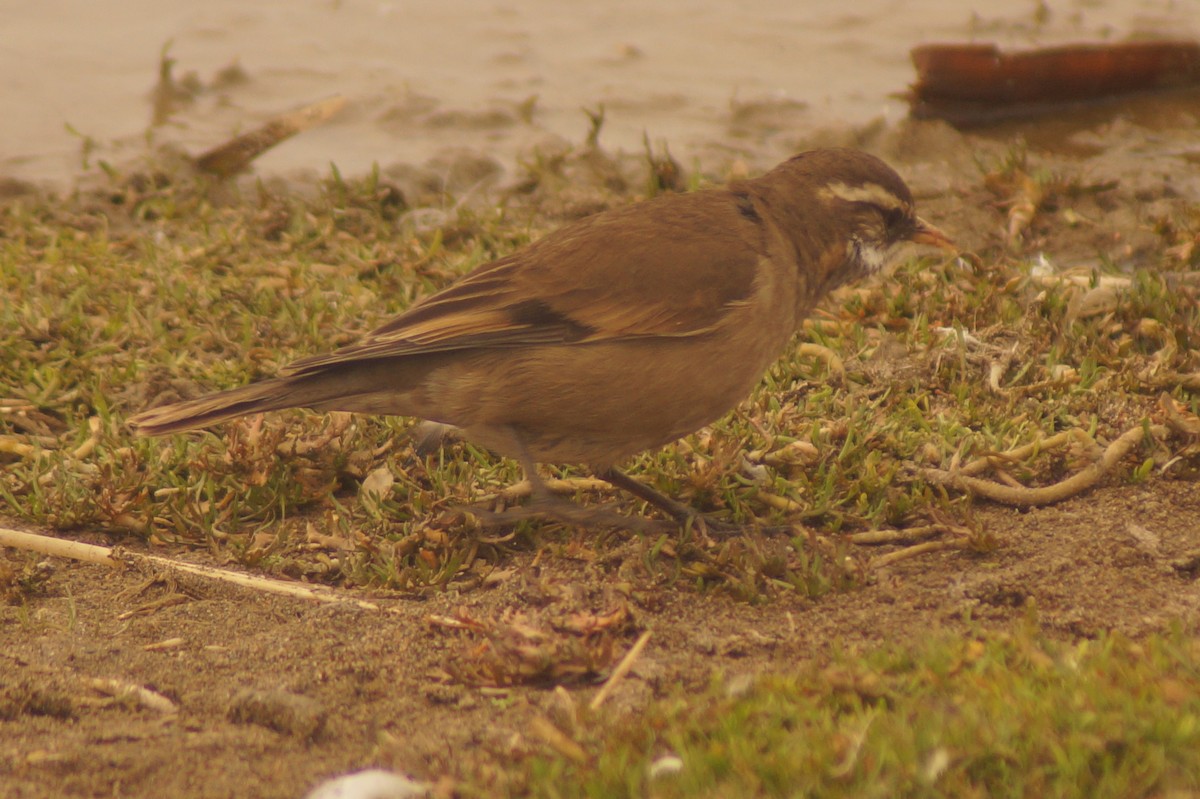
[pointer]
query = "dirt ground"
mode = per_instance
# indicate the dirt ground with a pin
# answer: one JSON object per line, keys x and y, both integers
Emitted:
{"x": 376, "y": 687}
{"x": 377, "y": 677}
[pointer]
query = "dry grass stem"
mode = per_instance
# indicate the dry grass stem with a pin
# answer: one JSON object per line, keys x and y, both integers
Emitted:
{"x": 1021, "y": 496}
{"x": 1023, "y": 452}
{"x": 832, "y": 360}
{"x": 89, "y": 446}
{"x": 912, "y": 552}
{"x": 558, "y": 740}
{"x": 143, "y": 696}
{"x": 105, "y": 556}
{"x": 164, "y": 645}
{"x": 9, "y": 445}
{"x": 620, "y": 671}
{"x": 152, "y": 607}
{"x": 1181, "y": 421}
{"x": 779, "y": 503}
{"x": 872, "y": 537}
{"x": 567, "y": 486}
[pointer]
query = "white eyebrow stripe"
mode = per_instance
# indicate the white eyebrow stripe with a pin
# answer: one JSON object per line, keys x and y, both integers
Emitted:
{"x": 871, "y": 193}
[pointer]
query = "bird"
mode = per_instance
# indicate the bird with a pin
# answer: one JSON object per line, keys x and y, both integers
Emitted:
{"x": 614, "y": 334}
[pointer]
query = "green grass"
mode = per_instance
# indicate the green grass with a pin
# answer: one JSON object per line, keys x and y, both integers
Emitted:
{"x": 160, "y": 284}
{"x": 990, "y": 716}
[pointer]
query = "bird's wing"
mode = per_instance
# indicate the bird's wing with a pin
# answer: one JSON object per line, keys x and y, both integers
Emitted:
{"x": 669, "y": 267}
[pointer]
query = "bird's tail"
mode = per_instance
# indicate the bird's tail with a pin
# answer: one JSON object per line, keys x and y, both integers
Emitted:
{"x": 267, "y": 395}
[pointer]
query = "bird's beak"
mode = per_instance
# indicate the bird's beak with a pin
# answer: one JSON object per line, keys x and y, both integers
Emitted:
{"x": 928, "y": 234}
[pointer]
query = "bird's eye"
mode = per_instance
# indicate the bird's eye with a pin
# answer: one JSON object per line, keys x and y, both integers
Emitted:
{"x": 893, "y": 218}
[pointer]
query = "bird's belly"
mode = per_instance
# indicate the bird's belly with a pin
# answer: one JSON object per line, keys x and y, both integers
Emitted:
{"x": 598, "y": 403}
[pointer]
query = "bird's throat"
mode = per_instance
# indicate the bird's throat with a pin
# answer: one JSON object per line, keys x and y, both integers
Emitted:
{"x": 865, "y": 258}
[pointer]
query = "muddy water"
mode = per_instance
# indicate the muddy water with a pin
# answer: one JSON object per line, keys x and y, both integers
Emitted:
{"x": 746, "y": 78}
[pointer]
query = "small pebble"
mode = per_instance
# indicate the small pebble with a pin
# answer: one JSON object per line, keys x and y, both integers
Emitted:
{"x": 279, "y": 710}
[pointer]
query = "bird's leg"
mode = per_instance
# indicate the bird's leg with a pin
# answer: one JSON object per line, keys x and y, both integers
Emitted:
{"x": 544, "y": 503}
{"x": 564, "y": 510}
{"x": 428, "y": 437}
{"x": 678, "y": 511}
{"x": 681, "y": 513}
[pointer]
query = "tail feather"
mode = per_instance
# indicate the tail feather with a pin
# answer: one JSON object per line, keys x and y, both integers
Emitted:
{"x": 377, "y": 386}
{"x": 267, "y": 395}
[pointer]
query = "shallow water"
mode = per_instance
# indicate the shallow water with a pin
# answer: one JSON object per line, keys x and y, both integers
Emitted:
{"x": 424, "y": 75}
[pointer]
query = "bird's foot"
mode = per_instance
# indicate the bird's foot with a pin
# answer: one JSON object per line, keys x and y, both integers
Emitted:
{"x": 721, "y": 529}
{"x": 566, "y": 512}
{"x": 686, "y": 516}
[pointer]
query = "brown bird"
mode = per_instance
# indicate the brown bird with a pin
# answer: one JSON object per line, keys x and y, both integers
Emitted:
{"x": 614, "y": 334}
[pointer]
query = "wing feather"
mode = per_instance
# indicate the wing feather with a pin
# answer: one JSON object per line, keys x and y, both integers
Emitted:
{"x": 669, "y": 267}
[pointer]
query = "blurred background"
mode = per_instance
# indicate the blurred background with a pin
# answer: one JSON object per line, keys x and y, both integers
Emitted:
{"x": 709, "y": 79}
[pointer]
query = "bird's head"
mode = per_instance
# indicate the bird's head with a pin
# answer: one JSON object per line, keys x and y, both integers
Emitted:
{"x": 859, "y": 210}
{"x": 877, "y": 218}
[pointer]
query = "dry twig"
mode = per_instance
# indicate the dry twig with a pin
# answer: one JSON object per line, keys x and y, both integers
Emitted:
{"x": 106, "y": 556}
{"x": 236, "y": 154}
